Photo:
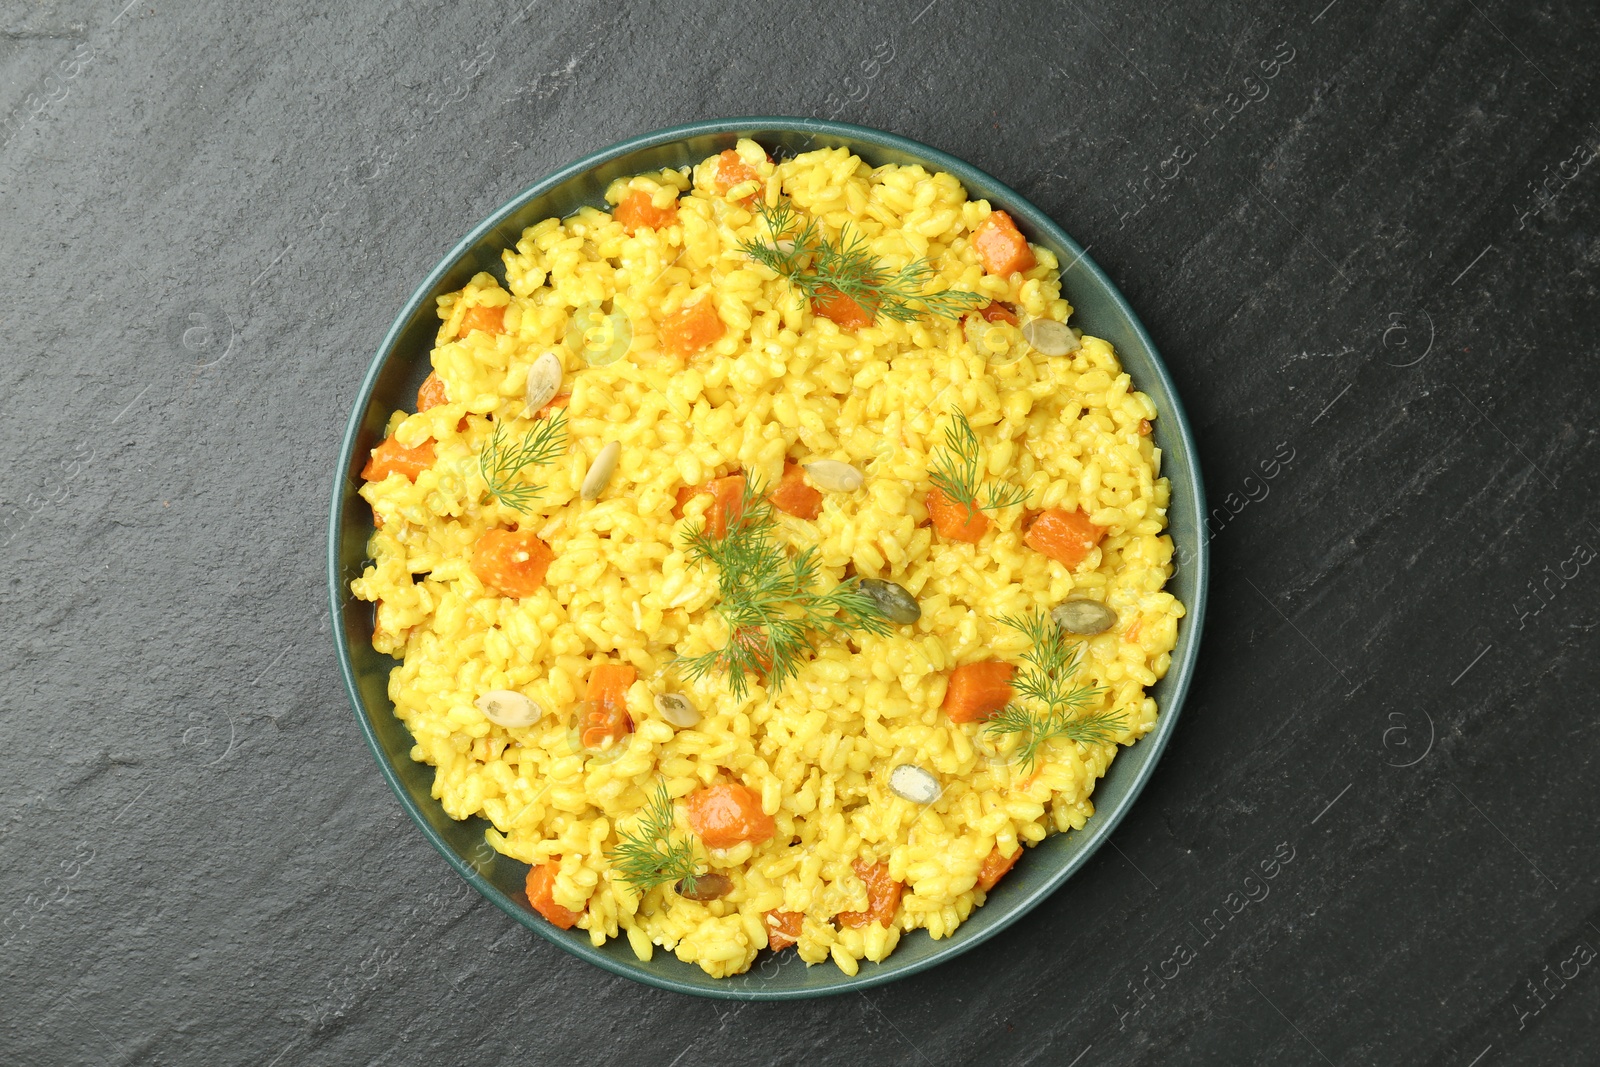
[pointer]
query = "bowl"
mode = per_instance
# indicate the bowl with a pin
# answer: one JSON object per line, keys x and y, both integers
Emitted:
{"x": 402, "y": 362}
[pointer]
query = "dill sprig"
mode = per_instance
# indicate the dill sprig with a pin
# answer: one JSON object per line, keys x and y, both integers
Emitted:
{"x": 789, "y": 253}
{"x": 956, "y": 472}
{"x": 503, "y": 460}
{"x": 647, "y": 856}
{"x": 1046, "y": 679}
{"x": 767, "y": 599}
{"x": 820, "y": 266}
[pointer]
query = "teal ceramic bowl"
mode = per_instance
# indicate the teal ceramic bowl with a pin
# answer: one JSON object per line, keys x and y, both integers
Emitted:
{"x": 402, "y": 362}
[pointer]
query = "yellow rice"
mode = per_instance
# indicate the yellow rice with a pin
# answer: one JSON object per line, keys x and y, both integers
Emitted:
{"x": 780, "y": 383}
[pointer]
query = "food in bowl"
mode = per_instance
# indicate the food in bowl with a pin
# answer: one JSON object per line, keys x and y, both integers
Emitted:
{"x": 768, "y": 560}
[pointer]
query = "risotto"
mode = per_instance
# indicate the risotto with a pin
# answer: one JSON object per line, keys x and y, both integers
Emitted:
{"x": 767, "y": 560}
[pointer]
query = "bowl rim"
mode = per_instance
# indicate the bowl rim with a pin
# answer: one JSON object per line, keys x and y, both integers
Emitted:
{"x": 1101, "y": 825}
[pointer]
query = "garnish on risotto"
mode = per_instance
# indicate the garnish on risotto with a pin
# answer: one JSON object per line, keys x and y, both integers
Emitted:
{"x": 957, "y": 477}
{"x": 648, "y": 856}
{"x": 1051, "y": 704}
{"x": 843, "y": 277}
{"x": 768, "y": 599}
{"x": 503, "y": 460}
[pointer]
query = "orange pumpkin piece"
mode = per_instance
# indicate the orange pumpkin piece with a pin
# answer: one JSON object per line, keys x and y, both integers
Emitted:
{"x": 728, "y": 814}
{"x": 489, "y": 320}
{"x": 692, "y": 327}
{"x": 638, "y": 211}
{"x": 512, "y": 561}
{"x": 994, "y": 311}
{"x": 391, "y": 457}
{"x": 783, "y": 929}
{"x": 1001, "y": 248}
{"x": 883, "y": 896}
{"x": 731, "y": 171}
{"x": 794, "y": 496}
{"x": 995, "y": 867}
{"x": 606, "y": 714}
{"x": 1064, "y": 536}
{"x": 684, "y": 494}
{"x": 978, "y": 690}
{"x": 832, "y": 304}
{"x": 1144, "y": 427}
{"x": 541, "y": 894}
{"x": 727, "y": 503}
{"x": 727, "y": 497}
{"x": 955, "y": 521}
{"x": 431, "y": 393}
{"x": 561, "y": 400}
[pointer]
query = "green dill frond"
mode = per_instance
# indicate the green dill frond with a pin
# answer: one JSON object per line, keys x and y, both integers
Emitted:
{"x": 1035, "y": 729}
{"x": 1048, "y": 648}
{"x": 904, "y": 287}
{"x": 1050, "y": 665}
{"x": 646, "y": 856}
{"x": 957, "y": 471}
{"x": 768, "y": 600}
{"x": 783, "y": 223}
{"x": 780, "y": 218}
{"x": 783, "y": 263}
{"x": 845, "y": 264}
{"x": 902, "y": 298}
{"x": 1050, "y": 703}
{"x": 1002, "y": 495}
{"x": 1100, "y": 728}
{"x": 846, "y": 608}
{"x": 945, "y": 303}
{"x": 1017, "y": 720}
{"x": 502, "y": 460}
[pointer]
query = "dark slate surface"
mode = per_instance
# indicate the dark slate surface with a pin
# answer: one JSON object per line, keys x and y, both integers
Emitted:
{"x": 1365, "y": 237}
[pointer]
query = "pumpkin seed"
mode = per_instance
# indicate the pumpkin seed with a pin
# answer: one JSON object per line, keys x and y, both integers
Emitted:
{"x": 834, "y": 477}
{"x": 910, "y": 782}
{"x": 1084, "y": 617}
{"x": 676, "y": 709}
{"x": 708, "y": 886}
{"x": 893, "y": 600}
{"x": 544, "y": 380}
{"x": 600, "y": 471}
{"x": 506, "y": 708}
{"x": 1051, "y": 338}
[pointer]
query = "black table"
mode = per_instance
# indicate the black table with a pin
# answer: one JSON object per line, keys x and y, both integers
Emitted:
{"x": 1365, "y": 236}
